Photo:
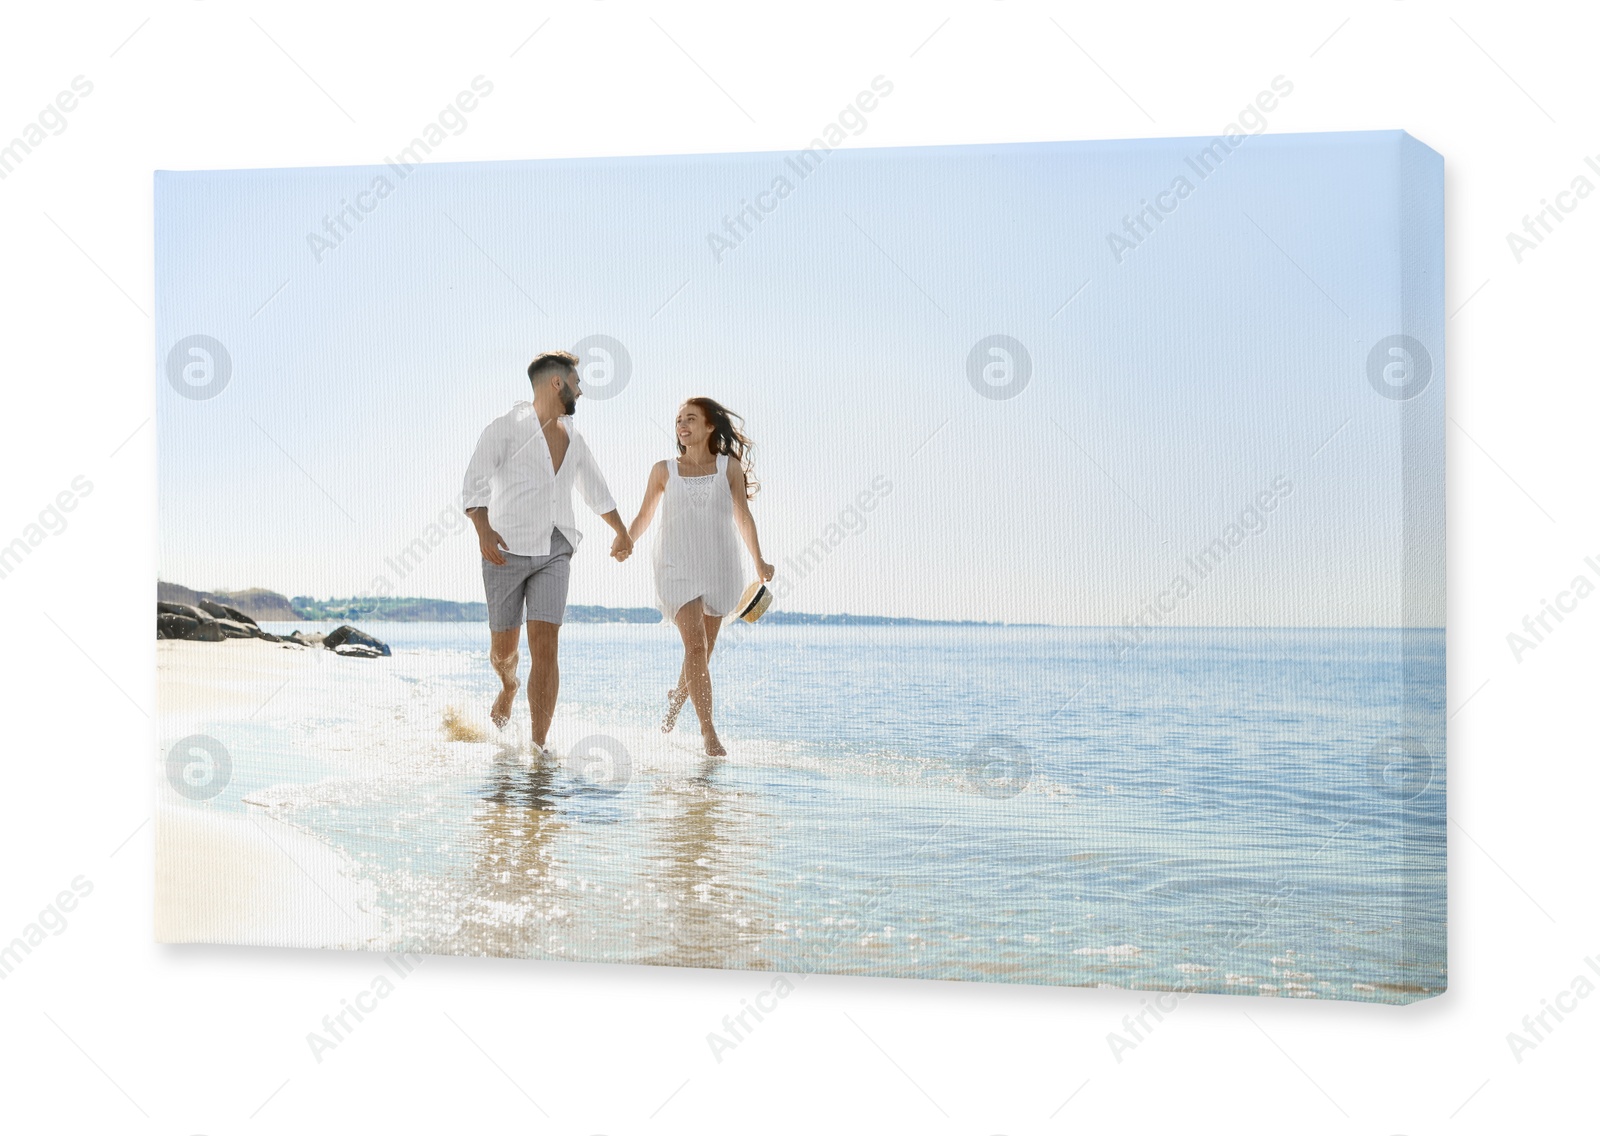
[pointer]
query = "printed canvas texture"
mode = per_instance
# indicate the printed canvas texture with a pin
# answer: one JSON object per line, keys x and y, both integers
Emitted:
{"x": 1005, "y": 563}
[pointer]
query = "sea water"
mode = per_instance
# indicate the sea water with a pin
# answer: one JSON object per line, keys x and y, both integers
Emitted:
{"x": 1255, "y": 811}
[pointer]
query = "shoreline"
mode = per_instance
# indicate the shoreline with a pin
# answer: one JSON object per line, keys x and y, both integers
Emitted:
{"x": 239, "y": 875}
{"x": 241, "y": 879}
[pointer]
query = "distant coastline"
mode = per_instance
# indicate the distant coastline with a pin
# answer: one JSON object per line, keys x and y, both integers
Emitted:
{"x": 264, "y": 604}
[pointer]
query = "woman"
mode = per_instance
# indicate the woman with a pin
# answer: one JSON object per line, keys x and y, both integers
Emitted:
{"x": 704, "y": 494}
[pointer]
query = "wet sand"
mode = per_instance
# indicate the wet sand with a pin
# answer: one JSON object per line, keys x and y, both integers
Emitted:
{"x": 255, "y": 881}
{"x": 242, "y": 877}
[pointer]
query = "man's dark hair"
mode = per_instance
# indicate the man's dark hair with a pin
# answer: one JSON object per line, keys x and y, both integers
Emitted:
{"x": 551, "y": 362}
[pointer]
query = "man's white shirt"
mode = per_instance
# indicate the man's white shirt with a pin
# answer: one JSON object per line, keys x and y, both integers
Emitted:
{"x": 513, "y": 475}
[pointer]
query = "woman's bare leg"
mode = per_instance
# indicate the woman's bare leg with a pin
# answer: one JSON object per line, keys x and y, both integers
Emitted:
{"x": 679, "y": 694}
{"x": 676, "y": 697}
{"x": 697, "y": 671}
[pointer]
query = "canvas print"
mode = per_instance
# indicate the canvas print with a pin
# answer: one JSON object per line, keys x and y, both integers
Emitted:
{"x": 1001, "y": 563}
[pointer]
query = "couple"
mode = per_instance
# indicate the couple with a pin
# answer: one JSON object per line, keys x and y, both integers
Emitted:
{"x": 518, "y": 493}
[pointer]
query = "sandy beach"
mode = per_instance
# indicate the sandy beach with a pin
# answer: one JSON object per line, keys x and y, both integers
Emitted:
{"x": 255, "y": 881}
{"x": 238, "y": 875}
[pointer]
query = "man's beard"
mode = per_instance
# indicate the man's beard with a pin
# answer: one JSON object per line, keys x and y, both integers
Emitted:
{"x": 569, "y": 401}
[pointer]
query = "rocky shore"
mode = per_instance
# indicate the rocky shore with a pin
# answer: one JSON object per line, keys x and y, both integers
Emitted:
{"x": 208, "y": 621}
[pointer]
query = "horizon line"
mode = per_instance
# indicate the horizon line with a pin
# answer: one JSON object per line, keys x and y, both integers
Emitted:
{"x": 840, "y": 614}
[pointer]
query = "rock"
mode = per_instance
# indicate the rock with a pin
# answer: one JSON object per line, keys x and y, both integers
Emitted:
{"x": 175, "y": 620}
{"x": 238, "y": 616}
{"x": 166, "y": 607}
{"x": 343, "y": 634}
{"x": 359, "y": 651}
{"x": 306, "y": 638}
{"x": 173, "y": 625}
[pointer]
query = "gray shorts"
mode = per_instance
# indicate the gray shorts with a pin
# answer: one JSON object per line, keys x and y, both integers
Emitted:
{"x": 528, "y": 588}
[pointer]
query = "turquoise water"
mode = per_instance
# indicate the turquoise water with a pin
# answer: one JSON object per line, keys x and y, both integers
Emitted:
{"x": 1220, "y": 810}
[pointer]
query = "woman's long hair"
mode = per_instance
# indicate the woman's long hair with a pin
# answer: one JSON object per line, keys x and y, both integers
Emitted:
{"x": 727, "y": 437}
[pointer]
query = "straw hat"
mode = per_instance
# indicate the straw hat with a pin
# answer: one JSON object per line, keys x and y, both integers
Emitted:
{"x": 754, "y": 603}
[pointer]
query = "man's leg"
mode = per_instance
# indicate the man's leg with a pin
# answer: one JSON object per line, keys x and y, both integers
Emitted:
{"x": 546, "y": 607}
{"x": 544, "y": 676}
{"x": 503, "y": 657}
{"x": 503, "y": 586}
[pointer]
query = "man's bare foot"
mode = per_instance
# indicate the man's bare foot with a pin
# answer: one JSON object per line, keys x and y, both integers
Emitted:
{"x": 714, "y": 746}
{"x": 675, "y": 700}
{"x": 500, "y": 712}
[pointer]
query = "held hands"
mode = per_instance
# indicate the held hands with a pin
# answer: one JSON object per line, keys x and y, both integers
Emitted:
{"x": 765, "y": 570}
{"x": 622, "y": 547}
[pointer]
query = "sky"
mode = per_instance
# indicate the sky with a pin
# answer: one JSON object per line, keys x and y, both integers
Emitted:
{"x": 1174, "y": 379}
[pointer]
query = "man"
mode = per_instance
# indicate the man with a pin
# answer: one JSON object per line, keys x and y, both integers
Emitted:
{"x": 518, "y": 492}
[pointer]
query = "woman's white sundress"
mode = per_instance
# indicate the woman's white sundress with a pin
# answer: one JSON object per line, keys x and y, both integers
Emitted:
{"x": 697, "y": 547}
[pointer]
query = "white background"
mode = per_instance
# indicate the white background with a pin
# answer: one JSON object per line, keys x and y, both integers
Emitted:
{"x": 107, "y": 1032}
